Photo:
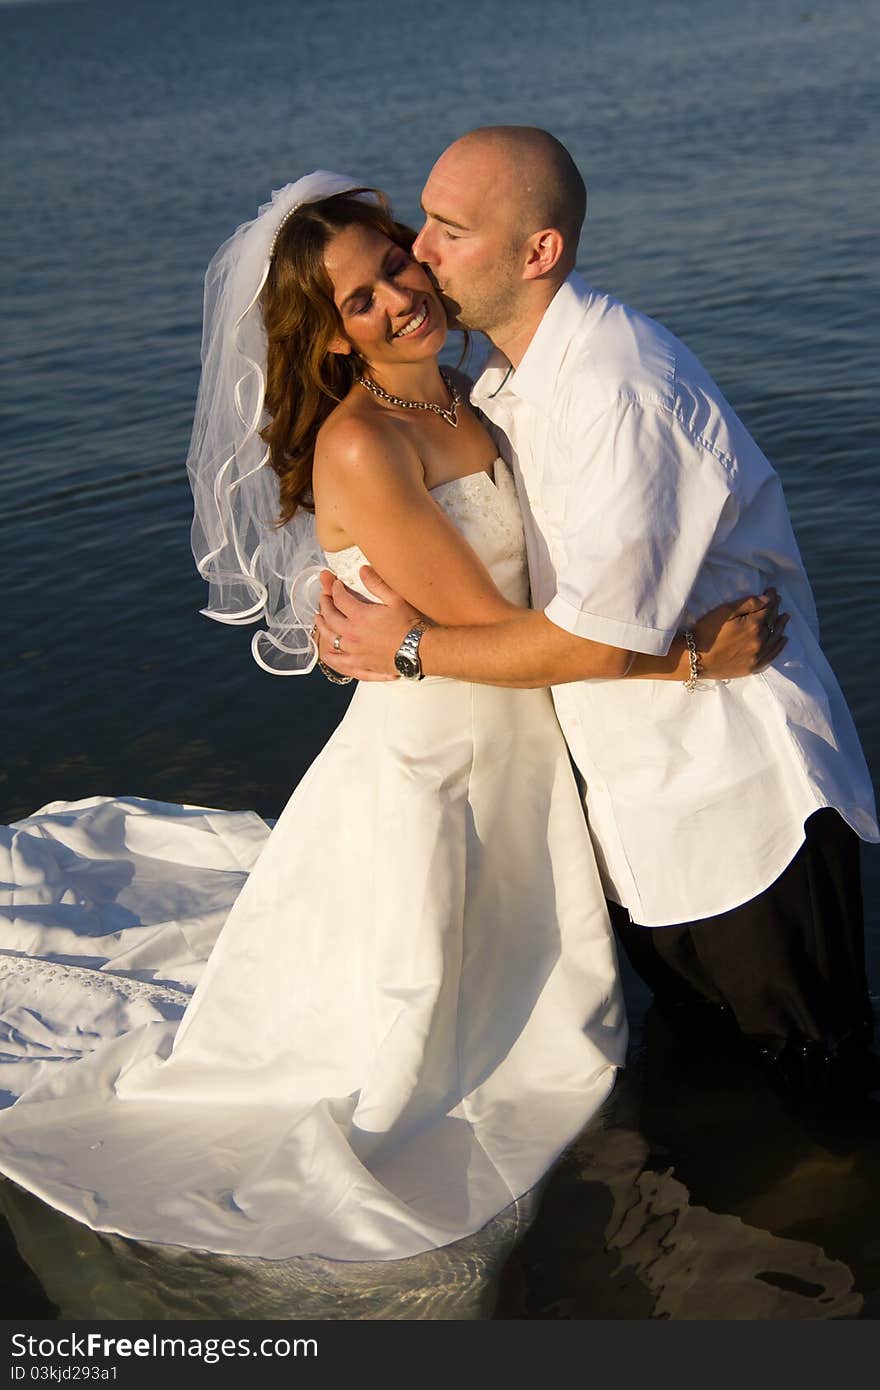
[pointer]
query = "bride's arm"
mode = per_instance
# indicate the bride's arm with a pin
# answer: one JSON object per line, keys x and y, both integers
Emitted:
{"x": 369, "y": 485}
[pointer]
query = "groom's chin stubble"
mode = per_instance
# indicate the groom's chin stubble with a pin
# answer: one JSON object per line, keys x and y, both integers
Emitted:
{"x": 453, "y": 313}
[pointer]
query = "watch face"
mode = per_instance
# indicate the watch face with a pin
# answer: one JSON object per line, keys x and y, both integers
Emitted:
{"x": 407, "y": 665}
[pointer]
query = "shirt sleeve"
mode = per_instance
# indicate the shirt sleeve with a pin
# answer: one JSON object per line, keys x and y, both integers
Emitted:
{"x": 642, "y": 504}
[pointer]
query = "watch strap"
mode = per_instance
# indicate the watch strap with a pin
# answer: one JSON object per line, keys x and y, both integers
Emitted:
{"x": 409, "y": 647}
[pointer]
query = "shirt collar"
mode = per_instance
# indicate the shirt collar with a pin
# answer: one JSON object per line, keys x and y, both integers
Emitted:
{"x": 536, "y": 376}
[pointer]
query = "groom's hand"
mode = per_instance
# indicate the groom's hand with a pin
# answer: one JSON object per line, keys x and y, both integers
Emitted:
{"x": 741, "y": 638}
{"x": 368, "y": 633}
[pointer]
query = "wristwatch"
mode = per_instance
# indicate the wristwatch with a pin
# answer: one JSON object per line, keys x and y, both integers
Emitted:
{"x": 406, "y": 658}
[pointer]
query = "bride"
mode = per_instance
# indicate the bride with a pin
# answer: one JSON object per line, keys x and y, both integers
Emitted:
{"x": 365, "y": 1034}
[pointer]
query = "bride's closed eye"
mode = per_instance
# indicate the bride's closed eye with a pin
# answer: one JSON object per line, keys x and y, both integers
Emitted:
{"x": 396, "y": 267}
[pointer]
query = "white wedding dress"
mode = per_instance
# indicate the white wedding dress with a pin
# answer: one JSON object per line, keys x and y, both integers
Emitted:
{"x": 360, "y": 1035}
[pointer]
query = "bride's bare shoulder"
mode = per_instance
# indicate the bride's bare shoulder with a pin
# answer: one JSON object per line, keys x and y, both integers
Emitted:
{"x": 358, "y": 439}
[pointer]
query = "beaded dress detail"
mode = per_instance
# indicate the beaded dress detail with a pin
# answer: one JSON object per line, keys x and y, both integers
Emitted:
{"x": 487, "y": 513}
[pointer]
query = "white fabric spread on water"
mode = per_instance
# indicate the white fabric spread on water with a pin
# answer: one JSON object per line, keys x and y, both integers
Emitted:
{"x": 406, "y": 1000}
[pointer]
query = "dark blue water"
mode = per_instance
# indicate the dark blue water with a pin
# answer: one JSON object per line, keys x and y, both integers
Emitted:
{"x": 728, "y": 152}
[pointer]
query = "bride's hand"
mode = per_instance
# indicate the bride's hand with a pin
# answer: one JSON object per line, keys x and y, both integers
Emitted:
{"x": 739, "y": 639}
{"x": 366, "y": 634}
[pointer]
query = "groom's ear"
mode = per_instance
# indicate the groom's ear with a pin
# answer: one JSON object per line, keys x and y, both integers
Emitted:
{"x": 544, "y": 251}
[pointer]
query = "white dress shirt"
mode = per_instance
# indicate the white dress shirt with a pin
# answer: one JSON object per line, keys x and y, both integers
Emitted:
{"x": 646, "y": 503}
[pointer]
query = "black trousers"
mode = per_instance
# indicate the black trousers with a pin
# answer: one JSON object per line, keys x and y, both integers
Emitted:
{"x": 789, "y": 964}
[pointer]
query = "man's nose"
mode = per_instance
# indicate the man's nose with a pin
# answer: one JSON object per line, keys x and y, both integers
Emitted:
{"x": 421, "y": 249}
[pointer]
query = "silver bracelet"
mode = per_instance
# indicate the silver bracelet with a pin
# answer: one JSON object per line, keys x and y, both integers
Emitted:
{"x": 690, "y": 684}
{"x": 332, "y": 676}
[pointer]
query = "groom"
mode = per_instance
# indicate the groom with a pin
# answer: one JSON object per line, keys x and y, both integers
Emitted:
{"x": 725, "y": 819}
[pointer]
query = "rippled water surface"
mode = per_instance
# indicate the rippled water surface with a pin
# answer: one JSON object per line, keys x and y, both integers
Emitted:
{"x": 728, "y": 153}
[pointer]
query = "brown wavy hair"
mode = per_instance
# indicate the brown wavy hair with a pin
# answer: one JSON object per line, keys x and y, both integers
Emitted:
{"x": 304, "y": 380}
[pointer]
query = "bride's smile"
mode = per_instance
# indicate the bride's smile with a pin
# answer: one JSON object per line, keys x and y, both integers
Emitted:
{"x": 418, "y": 321}
{"x": 390, "y": 312}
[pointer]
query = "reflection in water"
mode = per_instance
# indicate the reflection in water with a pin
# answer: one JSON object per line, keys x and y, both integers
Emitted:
{"x": 88, "y": 1274}
{"x": 617, "y": 1233}
{"x": 699, "y": 1198}
{"x": 701, "y": 1264}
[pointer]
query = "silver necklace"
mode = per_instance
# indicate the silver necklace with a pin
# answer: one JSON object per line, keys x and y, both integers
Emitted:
{"x": 446, "y": 412}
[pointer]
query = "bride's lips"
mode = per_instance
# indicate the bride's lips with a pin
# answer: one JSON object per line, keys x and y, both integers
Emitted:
{"x": 423, "y": 328}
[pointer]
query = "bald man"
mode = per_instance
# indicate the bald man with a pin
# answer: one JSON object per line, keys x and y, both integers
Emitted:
{"x": 726, "y": 818}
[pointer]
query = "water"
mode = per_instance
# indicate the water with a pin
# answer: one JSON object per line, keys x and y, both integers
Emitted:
{"x": 727, "y": 151}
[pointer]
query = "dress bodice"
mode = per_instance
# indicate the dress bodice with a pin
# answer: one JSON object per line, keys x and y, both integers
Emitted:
{"x": 487, "y": 514}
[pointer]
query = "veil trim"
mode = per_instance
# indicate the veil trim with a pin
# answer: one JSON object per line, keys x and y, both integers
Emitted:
{"x": 256, "y": 571}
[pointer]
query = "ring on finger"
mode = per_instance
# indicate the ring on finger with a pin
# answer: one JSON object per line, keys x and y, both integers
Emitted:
{"x": 337, "y": 642}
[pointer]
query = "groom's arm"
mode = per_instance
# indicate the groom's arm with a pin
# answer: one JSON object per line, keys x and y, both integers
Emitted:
{"x": 523, "y": 650}
{"x": 634, "y": 562}
{"x": 527, "y": 650}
